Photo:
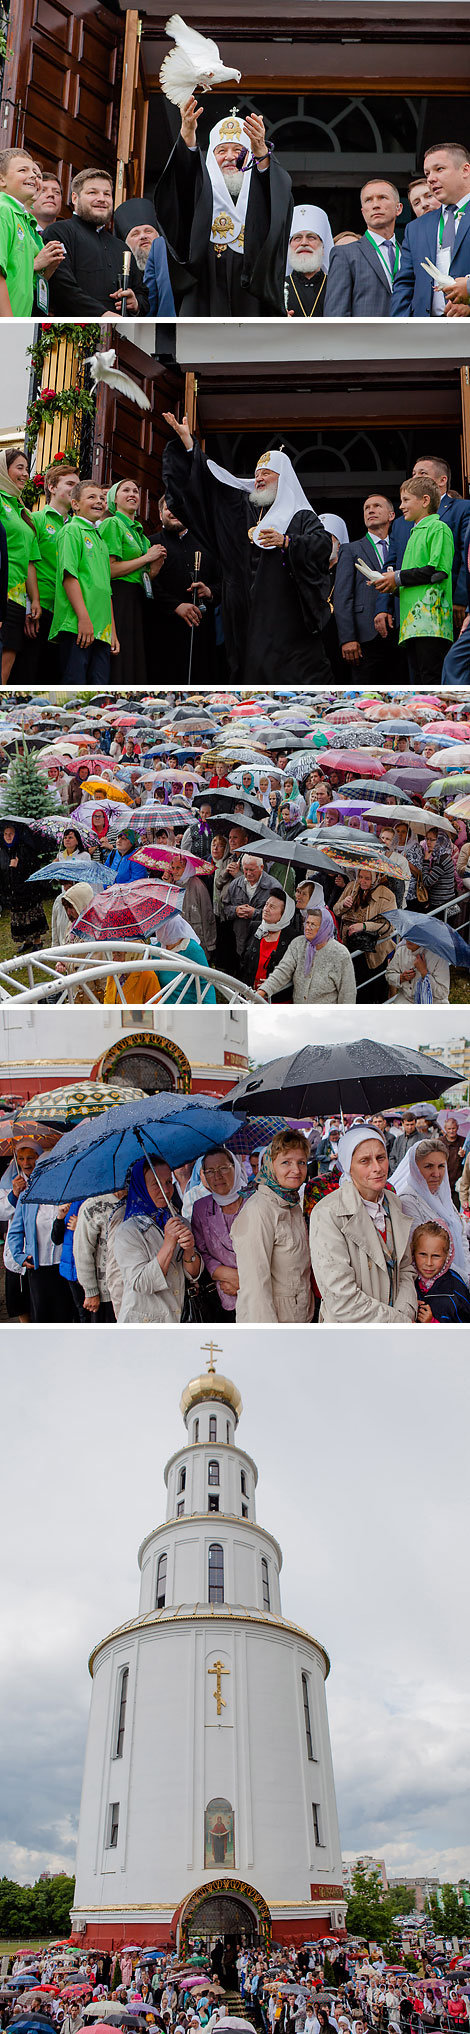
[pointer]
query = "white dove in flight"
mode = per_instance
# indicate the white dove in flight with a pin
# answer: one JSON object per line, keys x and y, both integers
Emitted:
{"x": 193, "y": 65}
{"x": 103, "y": 369}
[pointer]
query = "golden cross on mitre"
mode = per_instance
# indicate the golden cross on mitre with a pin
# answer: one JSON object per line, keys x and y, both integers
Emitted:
{"x": 214, "y": 1350}
{"x": 218, "y": 1669}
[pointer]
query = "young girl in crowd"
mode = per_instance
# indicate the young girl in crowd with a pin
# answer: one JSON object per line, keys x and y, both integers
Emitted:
{"x": 442, "y": 1293}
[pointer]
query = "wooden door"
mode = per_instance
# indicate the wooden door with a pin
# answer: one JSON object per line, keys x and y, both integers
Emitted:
{"x": 133, "y": 116}
{"x": 128, "y": 440}
{"x": 63, "y": 80}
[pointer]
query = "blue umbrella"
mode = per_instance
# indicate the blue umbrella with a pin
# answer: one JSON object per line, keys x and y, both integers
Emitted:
{"x": 96, "y": 1157}
{"x": 432, "y": 934}
{"x": 71, "y": 868}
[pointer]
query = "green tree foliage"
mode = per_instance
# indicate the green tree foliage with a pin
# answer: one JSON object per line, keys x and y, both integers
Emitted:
{"x": 26, "y": 792}
{"x": 39, "y": 1910}
{"x": 446, "y": 1914}
{"x": 371, "y": 1911}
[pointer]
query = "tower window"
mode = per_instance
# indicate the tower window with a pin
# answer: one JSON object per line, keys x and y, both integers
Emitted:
{"x": 213, "y": 1504}
{"x": 213, "y": 1475}
{"x": 161, "y": 1583}
{"x": 228, "y": 1433}
{"x": 265, "y": 1582}
{"x": 113, "y": 1825}
{"x": 212, "y": 1427}
{"x": 180, "y": 1507}
{"x": 316, "y": 1825}
{"x": 195, "y": 1430}
{"x": 182, "y": 1479}
{"x": 216, "y": 1575}
{"x": 122, "y": 1713}
{"x": 308, "y": 1731}
{"x": 243, "y": 1483}
{"x": 244, "y": 1511}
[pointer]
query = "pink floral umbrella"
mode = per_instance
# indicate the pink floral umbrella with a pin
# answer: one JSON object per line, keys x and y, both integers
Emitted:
{"x": 152, "y": 853}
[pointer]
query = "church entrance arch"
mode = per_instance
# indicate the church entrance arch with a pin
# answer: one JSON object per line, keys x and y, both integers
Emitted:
{"x": 221, "y": 1909}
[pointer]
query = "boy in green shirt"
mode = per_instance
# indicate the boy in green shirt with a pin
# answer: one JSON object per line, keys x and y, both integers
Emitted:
{"x": 424, "y": 581}
{"x": 83, "y": 620}
{"x": 24, "y": 260}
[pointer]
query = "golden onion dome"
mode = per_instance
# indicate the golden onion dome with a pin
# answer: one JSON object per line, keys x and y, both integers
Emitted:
{"x": 211, "y": 1385}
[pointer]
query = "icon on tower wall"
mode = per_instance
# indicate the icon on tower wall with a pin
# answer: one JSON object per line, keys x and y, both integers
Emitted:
{"x": 219, "y": 1834}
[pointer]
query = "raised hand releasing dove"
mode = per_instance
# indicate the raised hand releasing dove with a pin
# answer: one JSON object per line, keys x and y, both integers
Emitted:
{"x": 194, "y": 65}
{"x": 103, "y": 369}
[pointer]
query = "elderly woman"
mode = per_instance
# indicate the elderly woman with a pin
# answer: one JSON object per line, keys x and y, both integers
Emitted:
{"x": 319, "y": 969}
{"x": 415, "y": 975}
{"x": 153, "y": 1248}
{"x": 432, "y": 878}
{"x": 422, "y": 1181}
{"x": 359, "y": 911}
{"x": 270, "y": 942}
{"x": 359, "y": 1239}
{"x": 223, "y": 1178}
{"x": 270, "y": 1238}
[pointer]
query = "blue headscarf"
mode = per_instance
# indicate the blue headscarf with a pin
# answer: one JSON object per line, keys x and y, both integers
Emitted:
{"x": 139, "y": 1200}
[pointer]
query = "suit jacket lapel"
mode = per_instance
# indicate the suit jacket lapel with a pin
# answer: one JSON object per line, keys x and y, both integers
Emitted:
{"x": 462, "y": 229}
{"x": 373, "y": 257}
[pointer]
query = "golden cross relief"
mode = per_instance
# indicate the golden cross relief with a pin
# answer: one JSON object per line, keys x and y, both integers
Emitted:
{"x": 218, "y": 1669}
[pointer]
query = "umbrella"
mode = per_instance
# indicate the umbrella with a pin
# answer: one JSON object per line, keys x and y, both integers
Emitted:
{"x": 83, "y": 816}
{"x": 348, "y": 759}
{"x": 346, "y": 844}
{"x": 255, "y": 1130}
{"x": 432, "y": 935}
{"x": 126, "y": 911}
{"x": 159, "y": 815}
{"x": 225, "y": 800}
{"x": 67, "y": 1106}
{"x": 414, "y": 816}
{"x": 460, "y": 808}
{"x": 373, "y": 790}
{"x": 444, "y": 727}
{"x": 296, "y": 851}
{"x": 444, "y": 787}
{"x": 15, "y": 1129}
{"x": 416, "y": 781}
{"x": 74, "y": 868}
{"x": 195, "y": 865}
{"x": 362, "y": 1076}
{"x": 96, "y": 1157}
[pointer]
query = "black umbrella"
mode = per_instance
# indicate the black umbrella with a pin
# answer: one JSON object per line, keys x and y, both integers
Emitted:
{"x": 225, "y": 801}
{"x": 355, "y": 1078}
{"x": 252, "y": 826}
{"x": 272, "y": 848}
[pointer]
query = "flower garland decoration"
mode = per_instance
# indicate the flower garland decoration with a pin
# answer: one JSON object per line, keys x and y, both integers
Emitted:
{"x": 84, "y": 338}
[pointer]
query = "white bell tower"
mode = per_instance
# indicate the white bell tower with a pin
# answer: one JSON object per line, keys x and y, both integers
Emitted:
{"x": 208, "y": 1798}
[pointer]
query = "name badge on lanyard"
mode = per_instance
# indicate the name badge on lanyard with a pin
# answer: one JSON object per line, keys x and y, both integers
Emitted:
{"x": 42, "y": 293}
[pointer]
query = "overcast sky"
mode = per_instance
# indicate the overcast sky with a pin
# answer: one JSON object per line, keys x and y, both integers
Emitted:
{"x": 285, "y": 1030}
{"x": 361, "y": 1443}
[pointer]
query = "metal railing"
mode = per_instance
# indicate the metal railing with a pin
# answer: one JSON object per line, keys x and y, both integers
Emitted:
{"x": 457, "y": 908}
{"x": 58, "y": 973}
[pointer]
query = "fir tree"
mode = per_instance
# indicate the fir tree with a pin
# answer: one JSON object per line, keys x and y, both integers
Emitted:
{"x": 26, "y": 792}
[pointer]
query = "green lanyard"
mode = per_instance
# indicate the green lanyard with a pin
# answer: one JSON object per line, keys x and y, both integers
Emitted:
{"x": 377, "y": 552}
{"x": 458, "y": 211}
{"x": 391, "y": 273}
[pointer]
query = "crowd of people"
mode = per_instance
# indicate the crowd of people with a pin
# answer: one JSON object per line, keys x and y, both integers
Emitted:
{"x": 223, "y": 237}
{"x": 333, "y": 863}
{"x": 320, "y": 1223}
{"x": 241, "y": 578}
{"x": 327, "y": 1987}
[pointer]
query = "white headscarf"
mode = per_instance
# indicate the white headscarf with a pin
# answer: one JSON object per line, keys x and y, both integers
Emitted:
{"x": 336, "y": 527}
{"x": 228, "y": 214}
{"x": 350, "y": 1139}
{"x": 266, "y": 931}
{"x": 422, "y": 1205}
{"x": 311, "y": 219}
{"x": 290, "y": 496}
{"x": 238, "y": 1185}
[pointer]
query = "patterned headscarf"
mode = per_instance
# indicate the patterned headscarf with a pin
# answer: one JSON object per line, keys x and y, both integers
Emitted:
{"x": 266, "y": 1171}
{"x": 326, "y": 931}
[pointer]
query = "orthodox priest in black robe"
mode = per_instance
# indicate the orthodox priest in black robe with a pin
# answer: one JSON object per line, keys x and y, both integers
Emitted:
{"x": 310, "y": 245}
{"x": 226, "y": 220}
{"x": 172, "y": 631}
{"x": 274, "y": 561}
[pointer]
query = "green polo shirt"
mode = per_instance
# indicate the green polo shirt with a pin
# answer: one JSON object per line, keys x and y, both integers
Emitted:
{"x": 20, "y": 242}
{"x": 427, "y": 610}
{"x": 22, "y": 547}
{"x": 81, "y": 551}
{"x": 48, "y": 525}
{"x": 124, "y": 539}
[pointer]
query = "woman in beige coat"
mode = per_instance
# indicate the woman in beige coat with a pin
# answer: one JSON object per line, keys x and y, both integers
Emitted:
{"x": 270, "y": 1238}
{"x": 359, "y": 1239}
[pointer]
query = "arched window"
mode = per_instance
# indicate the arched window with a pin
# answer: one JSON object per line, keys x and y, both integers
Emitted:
{"x": 216, "y": 1575}
{"x": 182, "y": 1479}
{"x": 212, "y": 1427}
{"x": 308, "y": 1728}
{"x": 213, "y": 1473}
{"x": 161, "y": 1583}
{"x": 121, "y": 1721}
{"x": 265, "y": 1582}
{"x": 195, "y": 1430}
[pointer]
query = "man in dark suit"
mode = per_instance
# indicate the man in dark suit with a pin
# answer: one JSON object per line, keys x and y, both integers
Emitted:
{"x": 360, "y": 275}
{"x": 355, "y": 596}
{"x": 442, "y": 237}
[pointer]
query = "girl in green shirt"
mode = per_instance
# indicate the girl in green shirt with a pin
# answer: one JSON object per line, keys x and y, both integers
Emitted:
{"x": 134, "y": 564}
{"x": 23, "y": 556}
{"x": 424, "y": 581}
